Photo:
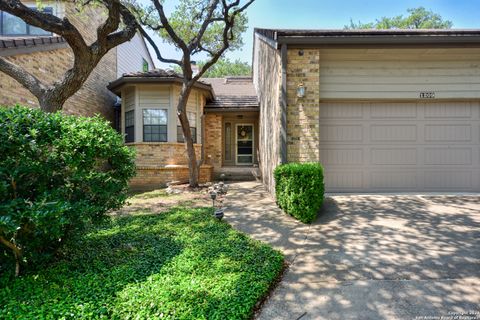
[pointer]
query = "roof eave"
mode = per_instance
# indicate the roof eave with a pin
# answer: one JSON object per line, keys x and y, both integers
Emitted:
{"x": 387, "y": 39}
{"x": 116, "y": 85}
{"x": 216, "y": 109}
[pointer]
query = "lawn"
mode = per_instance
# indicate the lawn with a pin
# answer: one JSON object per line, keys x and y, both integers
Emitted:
{"x": 178, "y": 263}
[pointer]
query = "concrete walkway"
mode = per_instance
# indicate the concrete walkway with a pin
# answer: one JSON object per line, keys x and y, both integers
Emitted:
{"x": 369, "y": 257}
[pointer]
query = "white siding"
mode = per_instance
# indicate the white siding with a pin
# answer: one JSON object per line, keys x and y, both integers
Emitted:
{"x": 130, "y": 56}
{"x": 399, "y": 73}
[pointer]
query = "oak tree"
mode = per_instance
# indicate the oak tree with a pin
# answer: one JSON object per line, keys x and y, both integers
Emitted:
{"x": 418, "y": 18}
{"x": 210, "y": 27}
{"x": 119, "y": 26}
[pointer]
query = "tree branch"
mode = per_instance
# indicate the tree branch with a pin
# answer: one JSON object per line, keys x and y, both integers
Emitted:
{"x": 26, "y": 79}
{"x": 156, "y": 49}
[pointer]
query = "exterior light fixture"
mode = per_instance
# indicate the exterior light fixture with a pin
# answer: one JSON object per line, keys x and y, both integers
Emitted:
{"x": 213, "y": 196}
{"x": 301, "y": 90}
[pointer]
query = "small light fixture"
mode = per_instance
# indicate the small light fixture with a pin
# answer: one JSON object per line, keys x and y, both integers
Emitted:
{"x": 301, "y": 90}
{"x": 213, "y": 196}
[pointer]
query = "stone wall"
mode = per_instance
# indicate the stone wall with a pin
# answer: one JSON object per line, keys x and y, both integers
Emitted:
{"x": 303, "y": 113}
{"x": 49, "y": 66}
{"x": 268, "y": 83}
{"x": 213, "y": 140}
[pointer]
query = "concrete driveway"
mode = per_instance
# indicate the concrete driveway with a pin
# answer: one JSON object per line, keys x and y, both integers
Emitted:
{"x": 369, "y": 257}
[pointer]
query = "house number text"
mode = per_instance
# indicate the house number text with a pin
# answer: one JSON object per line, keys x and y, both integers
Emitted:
{"x": 427, "y": 95}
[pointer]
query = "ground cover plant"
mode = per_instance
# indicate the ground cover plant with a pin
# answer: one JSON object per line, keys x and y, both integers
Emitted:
{"x": 177, "y": 264}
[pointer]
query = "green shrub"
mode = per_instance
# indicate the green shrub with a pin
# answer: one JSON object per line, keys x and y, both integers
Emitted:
{"x": 299, "y": 189}
{"x": 57, "y": 172}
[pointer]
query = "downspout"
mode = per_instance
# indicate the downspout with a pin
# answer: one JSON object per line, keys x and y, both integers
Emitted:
{"x": 283, "y": 105}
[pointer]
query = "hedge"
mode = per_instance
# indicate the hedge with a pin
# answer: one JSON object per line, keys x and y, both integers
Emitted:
{"x": 299, "y": 189}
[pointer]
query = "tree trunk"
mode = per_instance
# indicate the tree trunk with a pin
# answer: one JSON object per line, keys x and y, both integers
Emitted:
{"x": 17, "y": 252}
{"x": 50, "y": 105}
{"x": 193, "y": 167}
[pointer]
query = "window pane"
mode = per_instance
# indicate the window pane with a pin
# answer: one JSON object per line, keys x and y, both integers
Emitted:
{"x": 194, "y": 134}
{"x": 228, "y": 139}
{"x": 180, "y": 134}
{"x": 38, "y": 31}
{"x": 155, "y": 116}
{"x": 130, "y": 126}
{"x": 154, "y": 133}
{"x": 144, "y": 65}
{"x": 192, "y": 119}
{"x": 13, "y": 25}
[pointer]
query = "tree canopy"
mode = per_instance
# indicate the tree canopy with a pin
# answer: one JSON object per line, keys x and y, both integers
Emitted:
{"x": 118, "y": 27}
{"x": 418, "y": 18}
{"x": 208, "y": 27}
{"x": 223, "y": 68}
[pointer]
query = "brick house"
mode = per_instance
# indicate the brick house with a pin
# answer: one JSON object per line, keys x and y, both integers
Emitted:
{"x": 217, "y": 110}
{"x": 383, "y": 111}
{"x": 48, "y": 56}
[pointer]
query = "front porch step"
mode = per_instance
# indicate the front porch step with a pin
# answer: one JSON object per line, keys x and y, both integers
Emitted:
{"x": 238, "y": 173}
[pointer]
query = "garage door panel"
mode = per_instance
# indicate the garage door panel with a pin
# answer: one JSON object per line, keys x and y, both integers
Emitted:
{"x": 341, "y": 133}
{"x": 346, "y": 111}
{"x": 448, "y": 133}
{"x": 449, "y": 180}
{"x": 393, "y": 111}
{"x": 448, "y": 156}
{"x": 344, "y": 180}
{"x": 393, "y": 132}
{"x": 341, "y": 156}
{"x": 393, "y": 180}
{"x": 422, "y": 147}
{"x": 393, "y": 156}
{"x": 445, "y": 110}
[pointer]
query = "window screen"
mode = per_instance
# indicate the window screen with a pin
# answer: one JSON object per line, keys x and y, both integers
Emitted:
{"x": 130, "y": 126}
{"x": 192, "y": 120}
{"x": 154, "y": 125}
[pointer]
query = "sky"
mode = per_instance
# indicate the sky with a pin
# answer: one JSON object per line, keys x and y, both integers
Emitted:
{"x": 335, "y": 14}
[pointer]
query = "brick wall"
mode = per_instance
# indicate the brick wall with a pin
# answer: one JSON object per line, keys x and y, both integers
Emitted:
{"x": 149, "y": 178}
{"x": 161, "y": 163}
{"x": 213, "y": 140}
{"x": 49, "y": 66}
{"x": 162, "y": 153}
{"x": 303, "y": 113}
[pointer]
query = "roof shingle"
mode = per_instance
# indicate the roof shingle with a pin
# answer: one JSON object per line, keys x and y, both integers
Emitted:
{"x": 232, "y": 93}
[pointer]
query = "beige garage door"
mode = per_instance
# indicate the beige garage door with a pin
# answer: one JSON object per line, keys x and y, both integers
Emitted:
{"x": 409, "y": 147}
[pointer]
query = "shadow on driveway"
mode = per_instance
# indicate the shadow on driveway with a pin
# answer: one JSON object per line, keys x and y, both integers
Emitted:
{"x": 369, "y": 257}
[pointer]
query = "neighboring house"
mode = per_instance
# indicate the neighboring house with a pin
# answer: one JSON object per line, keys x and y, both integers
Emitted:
{"x": 48, "y": 56}
{"x": 383, "y": 111}
{"x": 150, "y": 124}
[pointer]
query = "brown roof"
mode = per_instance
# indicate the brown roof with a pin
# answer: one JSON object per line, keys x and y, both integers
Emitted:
{"x": 10, "y": 46}
{"x": 19, "y": 42}
{"x": 155, "y": 76}
{"x": 232, "y": 93}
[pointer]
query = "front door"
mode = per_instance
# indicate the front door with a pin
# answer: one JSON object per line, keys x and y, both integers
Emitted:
{"x": 244, "y": 142}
